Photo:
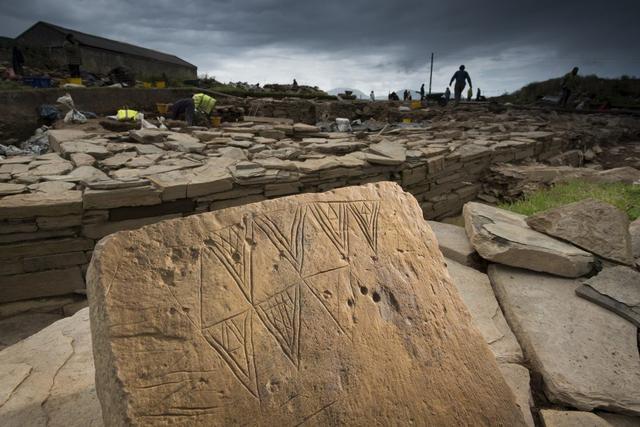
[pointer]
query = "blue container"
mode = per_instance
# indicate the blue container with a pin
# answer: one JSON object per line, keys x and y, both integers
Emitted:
{"x": 38, "y": 82}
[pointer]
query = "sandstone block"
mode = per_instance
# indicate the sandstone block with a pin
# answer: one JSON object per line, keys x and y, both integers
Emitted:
{"x": 46, "y": 247}
{"x": 99, "y": 230}
{"x": 590, "y": 224}
{"x": 107, "y": 199}
{"x": 7, "y": 189}
{"x": 40, "y": 284}
{"x": 58, "y": 222}
{"x": 587, "y": 356}
{"x": 41, "y": 204}
{"x": 82, "y": 159}
{"x": 518, "y": 379}
{"x": 47, "y": 379}
{"x": 50, "y": 262}
{"x": 86, "y": 147}
{"x": 454, "y": 243}
{"x": 59, "y": 136}
{"x": 616, "y": 289}
{"x": 505, "y": 237}
{"x": 475, "y": 289}
{"x": 235, "y": 312}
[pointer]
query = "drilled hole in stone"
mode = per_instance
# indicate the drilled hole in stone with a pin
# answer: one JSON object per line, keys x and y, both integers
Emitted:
{"x": 350, "y": 302}
{"x": 364, "y": 290}
{"x": 376, "y": 297}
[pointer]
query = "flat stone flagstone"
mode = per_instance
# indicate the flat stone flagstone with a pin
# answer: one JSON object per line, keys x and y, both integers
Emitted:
{"x": 475, "y": 289}
{"x": 454, "y": 244}
{"x": 590, "y": 224}
{"x": 587, "y": 356}
{"x": 48, "y": 378}
{"x": 331, "y": 309}
{"x": 504, "y": 237}
{"x": 616, "y": 289}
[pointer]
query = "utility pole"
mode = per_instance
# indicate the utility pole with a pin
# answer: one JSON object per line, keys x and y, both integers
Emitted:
{"x": 431, "y": 73}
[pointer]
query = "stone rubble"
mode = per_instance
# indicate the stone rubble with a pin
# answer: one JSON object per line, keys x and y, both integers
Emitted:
{"x": 97, "y": 181}
{"x": 55, "y": 207}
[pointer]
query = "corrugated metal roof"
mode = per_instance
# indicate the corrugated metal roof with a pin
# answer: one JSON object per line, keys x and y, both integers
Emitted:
{"x": 115, "y": 46}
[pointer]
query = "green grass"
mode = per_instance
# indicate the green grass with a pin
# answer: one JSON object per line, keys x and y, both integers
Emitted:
{"x": 625, "y": 197}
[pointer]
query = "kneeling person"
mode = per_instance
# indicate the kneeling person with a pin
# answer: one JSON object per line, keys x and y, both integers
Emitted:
{"x": 197, "y": 108}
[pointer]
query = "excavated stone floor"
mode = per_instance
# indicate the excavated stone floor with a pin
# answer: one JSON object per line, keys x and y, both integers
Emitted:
{"x": 55, "y": 207}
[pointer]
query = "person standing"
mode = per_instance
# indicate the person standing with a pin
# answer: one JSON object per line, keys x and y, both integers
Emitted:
{"x": 17, "y": 60}
{"x": 569, "y": 85}
{"x": 74, "y": 57}
{"x": 372, "y": 96}
{"x": 478, "y": 95}
{"x": 422, "y": 92}
{"x": 460, "y": 77}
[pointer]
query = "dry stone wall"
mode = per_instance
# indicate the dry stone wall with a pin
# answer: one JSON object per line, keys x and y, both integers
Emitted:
{"x": 55, "y": 207}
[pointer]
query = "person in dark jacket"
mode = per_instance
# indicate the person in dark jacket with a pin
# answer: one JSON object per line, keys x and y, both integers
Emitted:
{"x": 460, "y": 77}
{"x": 74, "y": 57}
{"x": 183, "y": 107}
{"x": 422, "y": 92}
{"x": 569, "y": 85}
{"x": 17, "y": 60}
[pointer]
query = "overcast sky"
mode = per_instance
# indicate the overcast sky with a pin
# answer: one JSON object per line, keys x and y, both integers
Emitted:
{"x": 365, "y": 44}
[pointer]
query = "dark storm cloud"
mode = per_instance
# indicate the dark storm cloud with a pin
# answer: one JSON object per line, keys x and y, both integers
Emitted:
{"x": 395, "y": 36}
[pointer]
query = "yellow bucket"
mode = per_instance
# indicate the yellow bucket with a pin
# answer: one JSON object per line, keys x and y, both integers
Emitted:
{"x": 406, "y": 120}
{"x": 147, "y": 85}
{"x": 416, "y": 105}
{"x": 161, "y": 84}
{"x": 162, "y": 108}
{"x": 74, "y": 80}
{"x": 215, "y": 121}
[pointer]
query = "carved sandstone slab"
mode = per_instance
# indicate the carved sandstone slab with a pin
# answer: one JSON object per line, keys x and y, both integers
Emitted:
{"x": 328, "y": 309}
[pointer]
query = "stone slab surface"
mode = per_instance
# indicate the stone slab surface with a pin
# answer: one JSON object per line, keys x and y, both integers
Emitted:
{"x": 616, "y": 289}
{"x": 504, "y": 237}
{"x": 518, "y": 379}
{"x": 41, "y": 204}
{"x": 593, "y": 225}
{"x": 560, "y": 418}
{"x": 330, "y": 309}
{"x": 476, "y": 292}
{"x": 16, "y": 328}
{"x": 454, "y": 243}
{"x": 48, "y": 378}
{"x": 587, "y": 356}
{"x": 40, "y": 284}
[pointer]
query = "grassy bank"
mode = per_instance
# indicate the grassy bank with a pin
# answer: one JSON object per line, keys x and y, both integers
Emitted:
{"x": 625, "y": 197}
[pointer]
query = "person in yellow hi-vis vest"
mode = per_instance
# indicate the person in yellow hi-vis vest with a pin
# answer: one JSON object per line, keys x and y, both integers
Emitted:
{"x": 199, "y": 105}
